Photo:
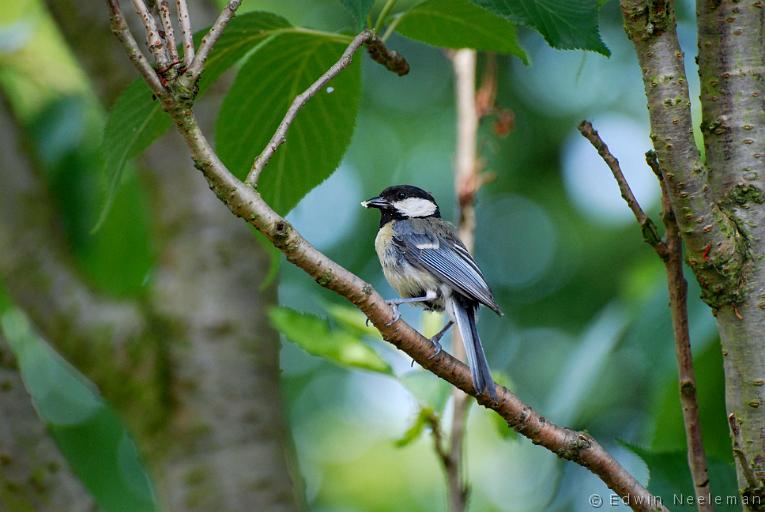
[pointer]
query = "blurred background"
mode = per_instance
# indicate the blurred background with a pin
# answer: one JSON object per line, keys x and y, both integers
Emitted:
{"x": 586, "y": 339}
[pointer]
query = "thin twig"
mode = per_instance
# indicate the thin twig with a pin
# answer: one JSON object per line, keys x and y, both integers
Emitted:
{"x": 749, "y": 476}
{"x": 153, "y": 40}
{"x": 678, "y": 303}
{"x": 167, "y": 26}
{"x": 280, "y": 136}
{"x": 671, "y": 253}
{"x": 188, "y": 37}
{"x": 243, "y": 201}
{"x": 466, "y": 168}
{"x": 209, "y": 40}
{"x": 647, "y": 226}
{"x": 122, "y": 32}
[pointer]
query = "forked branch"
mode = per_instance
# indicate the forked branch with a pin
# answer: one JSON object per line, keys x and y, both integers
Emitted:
{"x": 245, "y": 202}
{"x": 670, "y": 251}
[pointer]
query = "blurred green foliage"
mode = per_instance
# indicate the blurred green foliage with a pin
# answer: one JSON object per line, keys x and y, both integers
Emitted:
{"x": 586, "y": 340}
{"x": 89, "y": 433}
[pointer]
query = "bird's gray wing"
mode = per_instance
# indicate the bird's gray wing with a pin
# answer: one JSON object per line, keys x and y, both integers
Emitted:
{"x": 446, "y": 257}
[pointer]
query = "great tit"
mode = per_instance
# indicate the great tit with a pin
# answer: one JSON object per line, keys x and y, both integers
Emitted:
{"x": 424, "y": 260}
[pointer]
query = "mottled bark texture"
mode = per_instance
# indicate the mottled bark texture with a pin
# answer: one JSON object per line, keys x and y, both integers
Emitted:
{"x": 718, "y": 205}
{"x": 33, "y": 474}
{"x": 94, "y": 332}
{"x": 218, "y": 439}
{"x": 731, "y": 68}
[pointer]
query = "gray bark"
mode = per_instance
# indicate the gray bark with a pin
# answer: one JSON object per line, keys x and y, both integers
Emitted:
{"x": 731, "y": 57}
{"x": 719, "y": 205}
{"x": 33, "y": 474}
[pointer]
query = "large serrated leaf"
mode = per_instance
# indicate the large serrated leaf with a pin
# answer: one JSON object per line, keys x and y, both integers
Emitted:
{"x": 460, "y": 24}
{"x": 136, "y": 119}
{"x": 262, "y": 92}
{"x": 313, "y": 335}
{"x": 90, "y": 435}
{"x": 565, "y": 24}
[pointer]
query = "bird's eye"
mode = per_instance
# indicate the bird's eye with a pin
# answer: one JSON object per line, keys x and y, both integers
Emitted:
{"x": 400, "y": 195}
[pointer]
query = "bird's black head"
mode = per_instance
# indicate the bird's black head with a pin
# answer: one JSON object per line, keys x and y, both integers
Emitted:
{"x": 403, "y": 202}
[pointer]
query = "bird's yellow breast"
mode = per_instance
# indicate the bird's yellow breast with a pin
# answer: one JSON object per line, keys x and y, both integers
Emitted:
{"x": 406, "y": 279}
{"x": 383, "y": 241}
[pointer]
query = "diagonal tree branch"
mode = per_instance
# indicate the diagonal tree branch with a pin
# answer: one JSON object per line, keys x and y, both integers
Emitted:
{"x": 671, "y": 253}
{"x": 121, "y": 30}
{"x": 246, "y": 203}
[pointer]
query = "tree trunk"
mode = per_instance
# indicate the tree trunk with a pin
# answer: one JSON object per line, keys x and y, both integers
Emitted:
{"x": 718, "y": 203}
{"x": 731, "y": 56}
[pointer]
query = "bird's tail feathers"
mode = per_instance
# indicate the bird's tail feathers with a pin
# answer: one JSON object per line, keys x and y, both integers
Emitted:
{"x": 464, "y": 313}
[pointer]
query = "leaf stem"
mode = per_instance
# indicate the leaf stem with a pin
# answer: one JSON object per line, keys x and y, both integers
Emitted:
{"x": 280, "y": 136}
{"x": 384, "y": 14}
{"x": 392, "y": 27}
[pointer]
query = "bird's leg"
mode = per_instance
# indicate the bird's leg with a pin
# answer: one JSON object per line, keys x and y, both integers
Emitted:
{"x": 437, "y": 337}
{"x": 395, "y": 303}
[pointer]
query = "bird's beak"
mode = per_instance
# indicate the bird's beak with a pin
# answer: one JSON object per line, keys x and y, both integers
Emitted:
{"x": 375, "y": 202}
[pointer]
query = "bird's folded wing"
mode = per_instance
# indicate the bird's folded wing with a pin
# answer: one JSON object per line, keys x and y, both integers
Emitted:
{"x": 448, "y": 260}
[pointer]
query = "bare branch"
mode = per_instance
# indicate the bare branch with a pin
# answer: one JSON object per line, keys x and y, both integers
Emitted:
{"x": 122, "y": 31}
{"x": 245, "y": 202}
{"x": 209, "y": 40}
{"x": 671, "y": 253}
{"x": 280, "y": 136}
{"x": 465, "y": 185}
{"x": 647, "y": 226}
{"x": 153, "y": 40}
{"x": 188, "y": 37}
{"x": 678, "y": 303}
{"x": 167, "y": 26}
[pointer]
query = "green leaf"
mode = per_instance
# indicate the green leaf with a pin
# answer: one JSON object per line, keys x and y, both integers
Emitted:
{"x": 416, "y": 429}
{"x": 136, "y": 119}
{"x": 359, "y": 10}
{"x": 88, "y": 432}
{"x": 352, "y": 319}
{"x": 134, "y": 123}
{"x": 262, "y": 92}
{"x": 670, "y": 479}
{"x": 460, "y": 24}
{"x": 314, "y": 335}
{"x": 565, "y": 24}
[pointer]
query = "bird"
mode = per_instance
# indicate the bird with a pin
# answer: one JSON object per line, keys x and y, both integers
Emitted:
{"x": 426, "y": 263}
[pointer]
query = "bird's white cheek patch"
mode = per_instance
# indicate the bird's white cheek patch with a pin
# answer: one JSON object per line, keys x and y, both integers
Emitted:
{"x": 415, "y": 207}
